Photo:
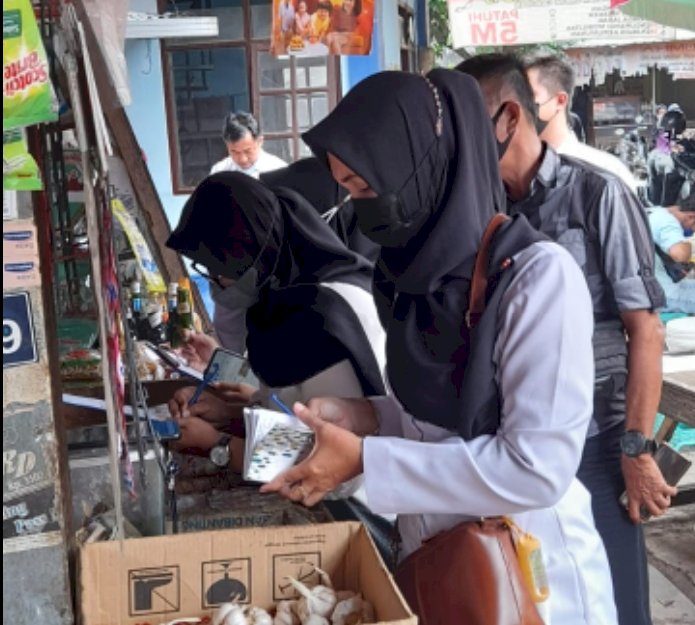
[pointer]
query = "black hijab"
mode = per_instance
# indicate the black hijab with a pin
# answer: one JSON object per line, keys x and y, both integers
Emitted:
{"x": 297, "y": 328}
{"x": 313, "y": 181}
{"x": 438, "y": 153}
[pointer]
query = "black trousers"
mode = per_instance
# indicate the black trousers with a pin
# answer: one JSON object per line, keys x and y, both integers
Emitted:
{"x": 600, "y": 472}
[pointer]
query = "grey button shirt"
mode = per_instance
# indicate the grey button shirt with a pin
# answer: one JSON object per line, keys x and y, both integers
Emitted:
{"x": 600, "y": 222}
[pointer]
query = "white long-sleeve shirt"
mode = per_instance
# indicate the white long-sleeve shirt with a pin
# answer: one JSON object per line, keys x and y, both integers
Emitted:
{"x": 434, "y": 479}
{"x": 265, "y": 162}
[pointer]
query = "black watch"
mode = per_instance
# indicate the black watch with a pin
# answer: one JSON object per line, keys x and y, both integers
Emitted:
{"x": 219, "y": 454}
{"x": 633, "y": 443}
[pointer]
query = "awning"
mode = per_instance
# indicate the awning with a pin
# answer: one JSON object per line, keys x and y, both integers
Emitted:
{"x": 677, "y": 57}
{"x": 676, "y": 13}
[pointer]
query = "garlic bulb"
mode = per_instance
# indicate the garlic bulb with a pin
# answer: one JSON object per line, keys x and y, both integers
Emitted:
{"x": 317, "y": 600}
{"x": 229, "y": 614}
{"x": 368, "y": 615}
{"x": 353, "y": 610}
{"x": 341, "y": 595}
{"x": 284, "y": 614}
{"x": 315, "y": 619}
{"x": 258, "y": 616}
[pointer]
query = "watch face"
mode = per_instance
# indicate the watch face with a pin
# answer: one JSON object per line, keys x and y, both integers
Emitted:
{"x": 220, "y": 455}
{"x": 633, "y": 443}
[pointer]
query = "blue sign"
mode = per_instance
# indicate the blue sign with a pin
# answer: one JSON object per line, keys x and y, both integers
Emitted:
{"x": 18, "y": 342}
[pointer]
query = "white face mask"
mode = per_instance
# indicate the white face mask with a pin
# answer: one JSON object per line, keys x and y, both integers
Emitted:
{"x": 242, "y": 294}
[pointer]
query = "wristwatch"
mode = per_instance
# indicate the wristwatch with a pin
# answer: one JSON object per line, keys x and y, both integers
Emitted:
{"x": 219, "y": 454}
{"x": 633, "y": 443}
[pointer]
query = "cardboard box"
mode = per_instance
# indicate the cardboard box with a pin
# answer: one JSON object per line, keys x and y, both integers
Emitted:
{"x": 149, "y": 581}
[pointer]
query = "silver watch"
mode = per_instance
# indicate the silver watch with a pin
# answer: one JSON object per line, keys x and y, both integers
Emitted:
{"x": 219, "y": 454}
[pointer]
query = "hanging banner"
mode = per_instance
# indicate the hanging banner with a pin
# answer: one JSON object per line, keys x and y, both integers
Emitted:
{"x": 512, "y": 23}
{"x": 678, "y": 58}
{"x": 322, "y": 27}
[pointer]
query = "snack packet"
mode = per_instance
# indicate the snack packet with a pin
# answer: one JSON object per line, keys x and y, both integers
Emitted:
{"x": 19, "y": 169}
{"x": 27, "y": 94}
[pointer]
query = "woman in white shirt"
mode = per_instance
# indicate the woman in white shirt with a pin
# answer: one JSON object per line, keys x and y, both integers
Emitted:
{"x": 482, "y": 422}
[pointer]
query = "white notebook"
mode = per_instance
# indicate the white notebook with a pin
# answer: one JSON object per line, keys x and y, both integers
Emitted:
{"x": 275, "y": 441}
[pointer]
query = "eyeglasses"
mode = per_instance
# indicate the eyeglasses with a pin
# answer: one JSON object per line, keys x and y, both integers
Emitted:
{"x": 203, "y": 272}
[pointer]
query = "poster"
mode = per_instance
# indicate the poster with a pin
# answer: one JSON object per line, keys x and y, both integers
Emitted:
{"x": 322, "y": 27}
{"x": 517, "y": 22}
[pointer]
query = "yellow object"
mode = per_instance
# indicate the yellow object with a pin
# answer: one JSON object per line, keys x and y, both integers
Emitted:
{"x": 530, "y": 556}
{"x": 154, "y": 283}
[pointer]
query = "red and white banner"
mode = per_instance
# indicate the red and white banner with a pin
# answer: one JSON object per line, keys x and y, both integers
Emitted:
{"x": 511, "y": 23}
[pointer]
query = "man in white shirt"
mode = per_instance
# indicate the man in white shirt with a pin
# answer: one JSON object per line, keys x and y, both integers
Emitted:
{"x": 552, "y": 81}
{"x": 244, "y": 142}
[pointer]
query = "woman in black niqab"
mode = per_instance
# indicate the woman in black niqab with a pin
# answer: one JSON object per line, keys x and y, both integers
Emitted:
{"x": 424, "y": 144}
{"x": 232, "y": 225}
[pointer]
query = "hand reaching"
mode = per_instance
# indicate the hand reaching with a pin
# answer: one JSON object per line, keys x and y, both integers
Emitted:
{"x": 356, "y": 415}
{"x": 196, "y": 433}
{"x": 234, "y": 393}
{"x": 197, "y": 349}
{"x": 208, "y": 407}
{"x": 336, "y": 458}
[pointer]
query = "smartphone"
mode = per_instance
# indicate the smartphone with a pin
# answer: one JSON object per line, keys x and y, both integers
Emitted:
{"x": 231, "y": 367}
{"x": 673, "y": 467}
{"x": 166, "y": 429}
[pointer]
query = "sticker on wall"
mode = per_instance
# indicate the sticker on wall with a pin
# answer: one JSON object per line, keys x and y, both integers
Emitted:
{"x": 18, "y": 340}
{"x": 19, "y": 240}
{"x": 30, "y": 515}
{"x": 20, "y": 274}
{"x": 322, "y": 27}
{"x": 25, "y": 435}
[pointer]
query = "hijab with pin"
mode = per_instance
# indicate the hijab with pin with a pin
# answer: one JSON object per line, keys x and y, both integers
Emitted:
{"x": 313, "y": 181}
{"x": 426, "y": 147}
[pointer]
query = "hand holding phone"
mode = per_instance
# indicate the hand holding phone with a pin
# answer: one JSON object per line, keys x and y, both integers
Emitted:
{"x": 232, "y": 367}
{"x": 166, "y": 429}
{"x": 673, "y": 467}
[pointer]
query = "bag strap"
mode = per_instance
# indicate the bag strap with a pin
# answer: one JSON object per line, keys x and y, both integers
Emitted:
{"x": 476, "y": 304}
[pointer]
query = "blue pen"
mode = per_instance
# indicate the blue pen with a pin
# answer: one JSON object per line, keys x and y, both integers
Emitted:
{"x": 209, "y": 377}
{"x": 281, "y": 405}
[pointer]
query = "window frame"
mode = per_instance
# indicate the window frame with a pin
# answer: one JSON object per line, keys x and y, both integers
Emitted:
{"x": 252, "y": 49}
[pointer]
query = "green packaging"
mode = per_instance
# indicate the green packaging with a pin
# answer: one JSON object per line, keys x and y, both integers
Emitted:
{"x": 27, "y": 94}
{"x": 19, "y": 169}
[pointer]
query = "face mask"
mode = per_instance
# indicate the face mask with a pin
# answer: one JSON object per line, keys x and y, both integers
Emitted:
{"x": 501, "y": 145}
{"x": 242, "y": 294}
{"x": 381, "y": 220}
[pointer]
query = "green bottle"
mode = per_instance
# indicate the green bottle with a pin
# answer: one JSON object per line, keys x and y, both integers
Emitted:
{"x": 184, "y": 313}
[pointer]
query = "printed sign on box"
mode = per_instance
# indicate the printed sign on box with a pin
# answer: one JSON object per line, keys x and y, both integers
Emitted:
{"x": 18, "y": 341}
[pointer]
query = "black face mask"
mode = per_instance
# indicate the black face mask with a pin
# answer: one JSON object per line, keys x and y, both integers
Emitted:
{"x": 501, "y": 145}
{"x": 381, "y": 219}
